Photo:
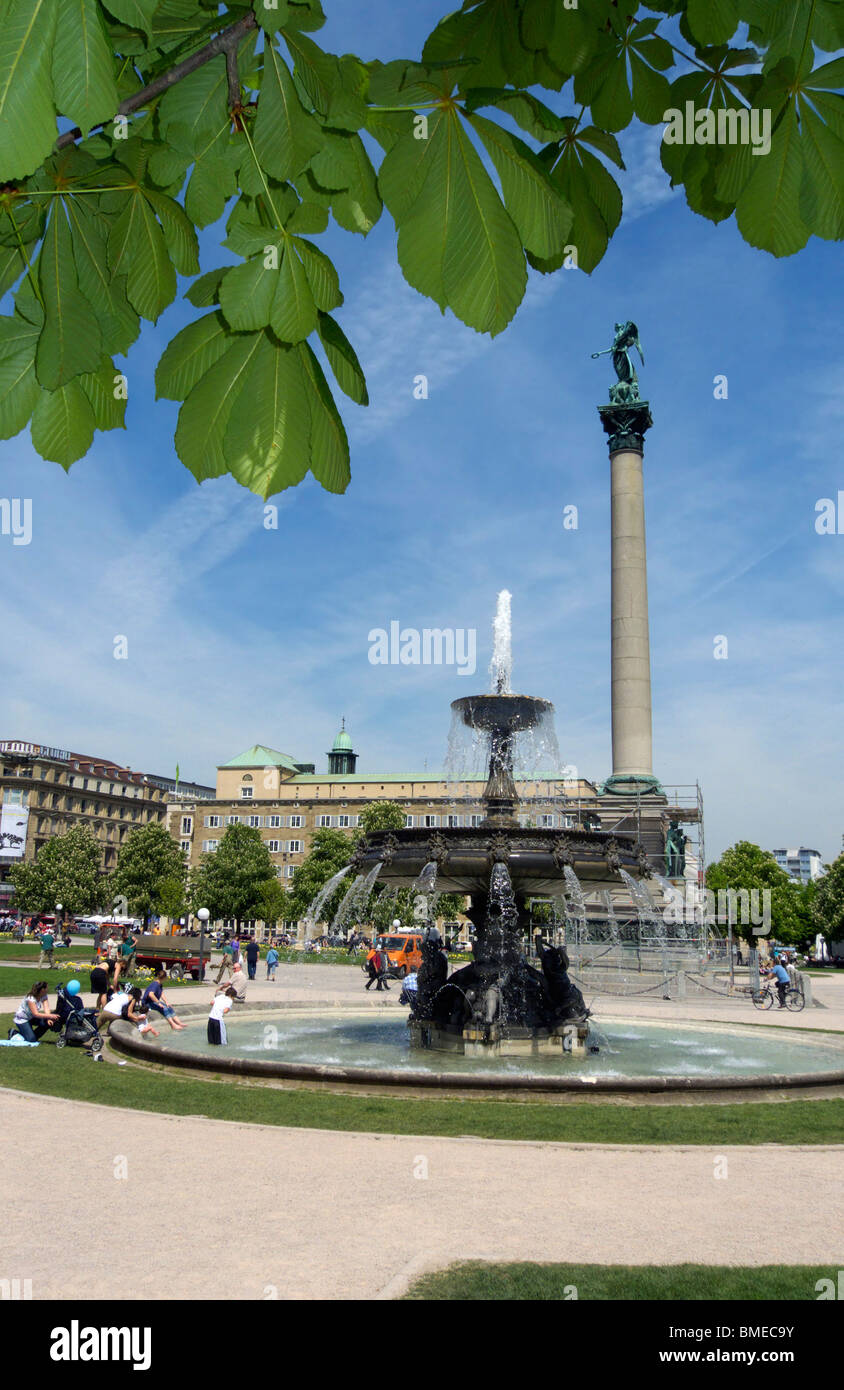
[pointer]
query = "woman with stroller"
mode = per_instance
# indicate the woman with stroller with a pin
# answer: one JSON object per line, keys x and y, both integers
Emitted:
{"x": 34, "y": 1016}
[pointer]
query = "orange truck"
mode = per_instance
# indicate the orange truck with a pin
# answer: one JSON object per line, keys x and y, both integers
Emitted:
{"x": 404, "y": 952}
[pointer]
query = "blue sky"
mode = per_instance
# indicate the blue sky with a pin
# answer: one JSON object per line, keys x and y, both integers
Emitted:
{"x": 238, "y": 635}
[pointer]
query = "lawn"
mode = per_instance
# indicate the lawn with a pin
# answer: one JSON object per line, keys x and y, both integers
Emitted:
{"x": 69, "y": 1072}
{"x": 686, "y": 1283}
{"x": 16, "y": 982}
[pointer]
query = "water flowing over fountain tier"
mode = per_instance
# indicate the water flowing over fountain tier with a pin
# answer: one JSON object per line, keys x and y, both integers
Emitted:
{"x": 535, "y": 859}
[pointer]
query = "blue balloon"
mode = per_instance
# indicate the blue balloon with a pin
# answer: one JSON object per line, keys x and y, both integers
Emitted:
{"x": 73, "y": 987}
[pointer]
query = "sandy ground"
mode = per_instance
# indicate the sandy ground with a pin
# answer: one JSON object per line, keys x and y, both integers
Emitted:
{"x": 305, "y": 1222}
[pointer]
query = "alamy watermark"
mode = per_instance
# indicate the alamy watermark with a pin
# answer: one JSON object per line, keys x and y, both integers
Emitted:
{"x": 740, "y": 125}
{"x": 746, "y": 907}
{"x": 432, "y": 646}
{"x": 16, "y": 519}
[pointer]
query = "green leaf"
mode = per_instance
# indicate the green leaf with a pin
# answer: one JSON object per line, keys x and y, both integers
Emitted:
{"x": 137, "y": 14}
{"x": 193, "y": 111}
{"x": 822, "y": 189}
{"x": 612, "y": 105}
{"x": 11, "y": 267}
{"x": 211, "y": 185}
{"x": 457, "y": 244}
{"x": 766, "y": 211}
{"x": 63, "y": 424}
{"x": 330, "y": 84}
{"x": 189, "y": 356}
{"x": 83, "y": 71}
{"x": 119, "y": 322}
{"x": 602, "y": 141}
{"x": 19, "y": 388}
{"x": 541, "y": 215}
{"x": 247, "y": 292}
{"x": 343, "y": 360}
{"x": 293, "y": 315}
{"x": 651, "y": 91}
{"x": 271, "y": 14}
{"x": 109, "y": 409}
{"x": 285, "y": 135}
{"x": 71, "y": 340}
{"x": 267, "y": 441}
{"x": 137, "y": 249}
{"x": 308, "y": 217}
{"x": 27, "y": 115}
{"x": 526, "y": 110}
{"x": 179, "y": 232}
{"x": 204, "y": 416}
{"x": 329, "y": 443}
{"x": 322, "y": 276}
{"x": 713, "y": 21}
{"x": 206, "y": 290}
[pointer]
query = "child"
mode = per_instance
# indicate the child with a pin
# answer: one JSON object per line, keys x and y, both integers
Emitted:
{"x": 216, "y": 1018}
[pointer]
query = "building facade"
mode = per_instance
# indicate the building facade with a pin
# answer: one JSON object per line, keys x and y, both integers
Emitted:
{"x": 803, "y": 865}
{"x": 45, "y": 791}
{"x": 288, "y": 802}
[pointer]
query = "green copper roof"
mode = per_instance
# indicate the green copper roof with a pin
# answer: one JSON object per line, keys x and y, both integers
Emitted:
{"x": 342, "y": 743}
{"x": 261, "y": 756}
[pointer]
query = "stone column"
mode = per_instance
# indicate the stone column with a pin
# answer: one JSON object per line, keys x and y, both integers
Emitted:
{"x": 632, "y": 758}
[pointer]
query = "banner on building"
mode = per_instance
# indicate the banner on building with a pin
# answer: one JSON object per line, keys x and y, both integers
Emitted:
{"x": 13, "y": 823}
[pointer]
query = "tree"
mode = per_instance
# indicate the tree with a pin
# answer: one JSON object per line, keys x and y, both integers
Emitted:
{"x": 827, "y": 908}
{"x": 182, "y": 110}
{"x": 273, "y": 902}
{"x": 170, "y": 897}
{"x": 230, "y": 880}
{"x": 379, "y": 815}
{"x": 67, "y": 870}
{"x": 148, "y": 859}
{"x": 330, "y": 851}
{"x": 747, "y": 868}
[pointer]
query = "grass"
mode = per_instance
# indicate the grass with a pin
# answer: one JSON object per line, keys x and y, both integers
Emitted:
{"x": 69, "y": 1072}
{"x": 478, "y": 1282}
{"x": 16, "y": 982}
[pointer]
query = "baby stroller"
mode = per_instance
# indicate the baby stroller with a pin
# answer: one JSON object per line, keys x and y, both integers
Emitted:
{"x": 78, "y": 1025}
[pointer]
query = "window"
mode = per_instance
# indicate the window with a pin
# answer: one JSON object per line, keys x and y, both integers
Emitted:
{"x": 294, "y": 846}
{"x": 209, "y": 846}
{"x": 289, "y": 870}
{"x": 213, "y": 822}
{"x": 547, "y": 822}
{"x": 296, "y": 822}
{"x": 475, "y": 820}
{"x": 274, "y": 822}
{"x": 185, "y": 846}
{"x": 323, "y": 820}
{"x": 273, "y": 846}
{"x": 187, "y": 825}
{"x": 452, "y": 822}
{"x": 431, "y": 822}
{"x": 245, "y": 793}
{"x": 408, "y": 822}
{"x": 254, "y": 821}
{"x": 344, "y": 821}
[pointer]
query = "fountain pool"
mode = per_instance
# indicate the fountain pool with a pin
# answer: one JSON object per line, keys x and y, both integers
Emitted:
{"x": 373, "y": 1045}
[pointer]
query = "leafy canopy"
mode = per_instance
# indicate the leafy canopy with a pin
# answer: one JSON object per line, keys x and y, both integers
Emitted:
{"x": 744, "y": 866}
{"x": 150, "y": 872}
{"x": 127, "y": 125}
{"x": 68, "y": 870}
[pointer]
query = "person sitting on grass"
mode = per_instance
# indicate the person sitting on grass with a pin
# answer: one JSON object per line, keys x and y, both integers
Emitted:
{"x": 33, "y": 1016}
{"x": 154, "y": 1002}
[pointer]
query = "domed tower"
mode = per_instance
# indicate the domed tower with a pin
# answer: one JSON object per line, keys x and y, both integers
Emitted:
{"x": 342, "y": 760}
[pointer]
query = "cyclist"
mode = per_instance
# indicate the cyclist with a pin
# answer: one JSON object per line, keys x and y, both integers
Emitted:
{"x": 780, "y": 975}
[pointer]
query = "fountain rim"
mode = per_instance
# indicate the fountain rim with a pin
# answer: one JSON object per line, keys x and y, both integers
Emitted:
{"x": 124, "y": 1037}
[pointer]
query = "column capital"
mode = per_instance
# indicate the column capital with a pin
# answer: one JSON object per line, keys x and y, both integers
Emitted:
{"x": 626, "y": 425}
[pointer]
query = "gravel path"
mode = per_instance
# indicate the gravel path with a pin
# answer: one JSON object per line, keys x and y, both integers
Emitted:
{"x": 303, "y": 1223}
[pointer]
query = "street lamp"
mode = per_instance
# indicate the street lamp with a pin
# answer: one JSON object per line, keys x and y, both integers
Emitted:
{"x": 59, "y": 910}
{"x": 203, "y": 914}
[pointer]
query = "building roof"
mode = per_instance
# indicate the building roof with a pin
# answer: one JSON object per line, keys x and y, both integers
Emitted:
{"x": 259, "y": 755}
{"x": 342, "y": 743}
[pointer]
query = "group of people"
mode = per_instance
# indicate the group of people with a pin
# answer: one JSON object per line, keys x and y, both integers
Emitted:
{"x": 233, "y": 957}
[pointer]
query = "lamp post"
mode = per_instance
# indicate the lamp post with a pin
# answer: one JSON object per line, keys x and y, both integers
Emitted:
{"x": 203, "y": 914}
{"x": 59, "y": 910}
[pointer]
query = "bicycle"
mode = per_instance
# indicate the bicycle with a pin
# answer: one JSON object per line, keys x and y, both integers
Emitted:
{"x": 764, "y": 999}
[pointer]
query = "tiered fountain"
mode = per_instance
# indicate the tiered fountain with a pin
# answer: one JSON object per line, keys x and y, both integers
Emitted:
{"x": 500, "y": 1003}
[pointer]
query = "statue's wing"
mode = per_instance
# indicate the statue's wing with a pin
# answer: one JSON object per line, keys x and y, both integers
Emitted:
{"x": 635, "y": 341}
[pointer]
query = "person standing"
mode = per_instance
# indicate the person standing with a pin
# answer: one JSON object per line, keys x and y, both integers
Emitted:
{"x": 373, "y": 964}
{"x": 227, "y": 963}
{"x": 127, "y": 953}
{"x": 47, "y": 946}
{"x": 252, "y": 954}
{"x": 221, "y": 1005}
{"x": 272, "y": 962}
{"x": 100, "y": 982}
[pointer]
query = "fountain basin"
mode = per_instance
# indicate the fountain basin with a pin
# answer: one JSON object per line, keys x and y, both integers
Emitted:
{"x": 370, "y": 1047}
{"x": 502, "y": 714}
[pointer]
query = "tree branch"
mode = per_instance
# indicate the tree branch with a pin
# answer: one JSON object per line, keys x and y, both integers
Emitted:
{"x": 226, "y": 42}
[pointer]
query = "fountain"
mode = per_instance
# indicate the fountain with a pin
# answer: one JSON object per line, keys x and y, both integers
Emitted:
{"x": 500, "y": 1003}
